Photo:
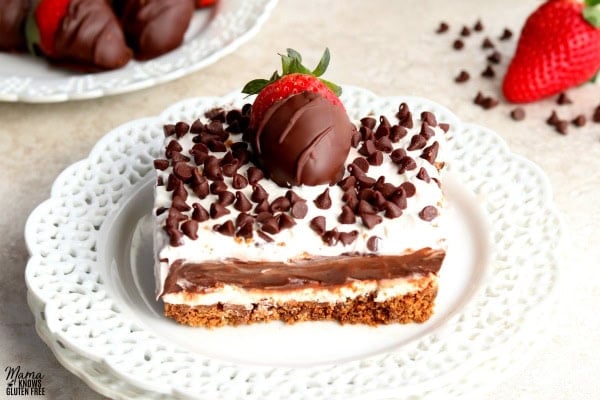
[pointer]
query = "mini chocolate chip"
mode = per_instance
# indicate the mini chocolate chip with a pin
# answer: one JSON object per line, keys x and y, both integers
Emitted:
{"x": 488, "y": 72}
{"x": 428, "y": 213}
{"x": 218, "y": 210}
{"x": 369, "y": 122}
{"x": 245, "y": 231}
{"x": 403, "y": 111}
{"x": 596, "y": 116}
{"x": 553, "y": 119}
{"x": 180, "y": 192}
{"x": 265, "y": 237}
{"x": 355, "y": 140}
{"x": 399, "y": 198}
{"x": 177, "y": 157}
{"x": 285, "y": 221}
{"x": 430, "y": 153}
{"x": 409, "y": 189}
{"x": 563, "y": 99}
{"x": 407, "y": 121}
{"x": 478, "y": 27}
{"x": 365, "y": 181}
{"x": 347, "y": 216}
{"x": 429, "y": 117}
{"x": 407, "y": 164}
{"x": 347, "y": 238}
{"x": 280, "y": 204}
{"x": 442, "y": 28}
{"x": 201, "y": 189}
{"x": 364, "y": 207}
{"x": 169, "y": 129}
{"x": 160, "y": 210}
{"x": 397, "y": 132}
{"x": 173, "y": 182}
{"x": 489, "y": 102}
{"x": 214, "y": 127}
{"x": 444, "y": 126}
{"x": 331, "y": 237}
{"x": 160, "y": 181}
{"x": 197, "y": 126}
{"x": 347, "y": 183}
{"x": 217, "y": 187}
{"x": 227, "y": 228}
{"x": 231, "y": 169}
{"x": 262, "y": 206}
{"x": 426, "y": 131}
{"x": 161, "y": 164}
{"x": 175, "y": 237}
{"x": 212, "y": 170}
{"x": 465, "y": 31}
{"x": 323, "y": 201}
{"x": 478, "y": 98}
{"x": 263, "y": 216}
{"x": 258, "y": 194}
{"x": 270, "y": 225}
{"x": 376, "y": 158}
{"x": 366, "y": 133}
{"x": 239, "y": 181}
{"x": 378, "y": 200}
{"x": 562, "y": 127}
{"x": 216, "y": 113}
{"x": 423, "y": 175}
{"x": 216, "y": 146}
{"x": 366, "y": 194}
{"x": 370, "y": 220}
{"x": 299, "y": 209}
{"x": 199, "y": 214}
{"x": 293, "y": 197}
{"x": 183, "y": 171}
{"x": 417, "y": 142}
{"x": 233, "y": 115}
{"x": 462, "y": 76}
{"x": 200, "y": 157}
{"x": 361, "y": 163}
{"x": 243, "y": 218}
{"x": 226, "y": 198}
{"x": 387, "y": 190}
{"x": 180, "y": 204}
{"x": 317, "y": 224}
{"x": 506, "y": 34}
{"x": 392, "y": 210}
{"x": 173, "y": 147}
{"x": 175, "y": 216}
{"x": 487, "y": 43}
{"x": 190, "y": 229}
{"x": 495, "y": 57}
{"x": 373, "y": 243}
{"x": 254, "y": 175}
{"x": 246, "y": 109}
{"x": 384, "y": 144}
{"x": 458, "y": 44}
{"x": 242, "y": 155}
{"x": 181, "y": 128}
{"x": 518, "y": 114}
{"x": 397, "y": 155}
{"x": 579, "y": 121}
{"x": 384, "y": 127}
{"x": 367, "y": 148}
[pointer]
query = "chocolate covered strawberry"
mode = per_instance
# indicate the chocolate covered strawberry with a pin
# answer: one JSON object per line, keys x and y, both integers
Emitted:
{"x": 81, "y": 33}
{"x": 559, "y": 48}
{"x": 300, "y": 130}
{"x": 13, "y": 14}
{"x": 154, "y": 27}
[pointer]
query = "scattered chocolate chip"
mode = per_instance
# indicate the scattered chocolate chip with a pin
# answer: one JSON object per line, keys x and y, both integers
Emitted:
{"x": 506, "y": 34}
{"x": 285, "y": 221}
{"x": 406, "y": 164}
{"x": 243, "y": 218}
{"x": 444, "y": 126}
{"x": 423, "y": 175}
{"x": 323, "y": 201}
{"x": 384, "y": 127}
{"x": 443, "y": 27}
{"x": 370, "y": 220}
{"x": 178, "y": 157}
{"x": 270, "y": 225}
{"x": 365, "y": 181}
{"x": 596, "y": 116}
{"x": 355, "y": 140}
{"x": 263, "y": 216}
{"x": 553, "y": 119}
{"x": 347, "y": 183}
{"x": 175, "y": 237}
{"x": 465, "y": 31}
{"x": 495, "y": 58}
{"x": 216, "y": 146}
{"x": 280, "y": 204}
{"x": 562, "y": 127}
{"x": 190, "y": 229}
{"x": 563, "y": 99}
{"x": 488, "y": 72}
{"x": 227, "y": 228}
{"x": 239, "y": 181}
{"x": 458, "y": 44}
{"x": 215, "y": 114}
{"x": 241, "y": 202}
{"x": 173, "y": 147}
{"x": 368, "y": 122}
{"x": 403, "y": 111}
{"x": 518, "y": 114}
{"x": 399, "y": 198}
{"x": 392, "y": 210}
{"x": 489, "y": 102}
{"x": 299, "y": 209}
{"x": 331, "y": 237}
{"x": 384, "y": 144}
{"x": 364, "y": 207}
{"x": 406, "y": 121}
{"x": 160, "y": 181}
{"x": 426, "y": 131}
{"x": 409, "y": 189}
{"x": 169, "y": 129}
{"x": 397, "y": 155}
{"x": 350, "y": 197}
{"x": 317, "y": 224}
{"x": 199, "y": 214}
{"x": 262, "y": 206}
{"x": 293, "y": 197}
{"x": 462, "y": 76}
{"x": 180, "y": 192}
{"x": 173, "y": 182}
{"x": 245, "y": 231}
{"x": 397, "y": 132}
{"x": 373, "y": 243}
{"x": 218, "y": 210}
{"x": 180, "y": 204}
{"x": 428, "y": 213}
{"x": 254, "y": 175}
{"x": 347, "y": 216}
{"x": 183, "y": 171}
{"x": 579, "y": 121}
{"x": 367, "y": 148}
{"x": 487, "y": 44}
{"x": 361, "y": 163}
{"x": 378, "y": 200}
{"x": 246, "y": 109}
{"x": 478, "y": 27}
{"x": 366, "y": 133}
{"x": 181, "y": 128}
{"x": 161, "y": 164}
{"x": 347, "y": 238}
{"x": 430, "y": 153}
{"x": 258, "y": 194}
{"x": 478, "y": 99}
{"x": 197, "y": 126}
{"x": 231, "y": 169}
{"x": 201, "y": 189}
{"x": 212, "y": 169}
{"x": 417, "y": 142}
{"x": 265, "y": 237}
{"x": 376, "y": 158}
{"x": 218, "y": 187}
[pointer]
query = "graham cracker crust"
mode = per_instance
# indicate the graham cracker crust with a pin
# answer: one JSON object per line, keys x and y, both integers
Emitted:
{"x": 412, "y": 307}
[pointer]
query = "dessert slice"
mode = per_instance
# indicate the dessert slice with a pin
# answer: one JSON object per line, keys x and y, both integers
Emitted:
{"x": 295, "y": 213}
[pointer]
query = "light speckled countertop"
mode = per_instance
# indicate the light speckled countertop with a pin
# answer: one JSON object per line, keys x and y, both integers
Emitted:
{"x": 390, "y": 48}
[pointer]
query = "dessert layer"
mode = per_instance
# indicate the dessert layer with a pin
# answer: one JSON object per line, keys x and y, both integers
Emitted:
{"x": 365, "y": 309}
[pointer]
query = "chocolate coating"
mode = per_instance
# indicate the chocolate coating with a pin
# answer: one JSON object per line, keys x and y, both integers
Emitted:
{"x": 154, "y": 27}
{"x": 90, "y": 37}
{"x": 304, "y": 139}
{"x": 13, "y": 14}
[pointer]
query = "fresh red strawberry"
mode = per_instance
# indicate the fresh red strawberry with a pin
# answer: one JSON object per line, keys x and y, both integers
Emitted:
{"x": 559, "y": 48}
{"x": 83, "y": 34}
{"x": 295, "y": 79}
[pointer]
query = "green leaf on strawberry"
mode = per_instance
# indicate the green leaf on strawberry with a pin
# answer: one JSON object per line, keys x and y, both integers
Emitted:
{"x": 591, "y": 12}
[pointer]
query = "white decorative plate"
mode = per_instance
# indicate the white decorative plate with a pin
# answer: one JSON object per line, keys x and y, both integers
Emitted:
{"x": 90, "y": 282}
{"x": 213, "y": 33}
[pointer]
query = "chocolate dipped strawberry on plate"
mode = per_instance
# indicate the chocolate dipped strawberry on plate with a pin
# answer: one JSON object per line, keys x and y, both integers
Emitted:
{"x": 13, "y": 15}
